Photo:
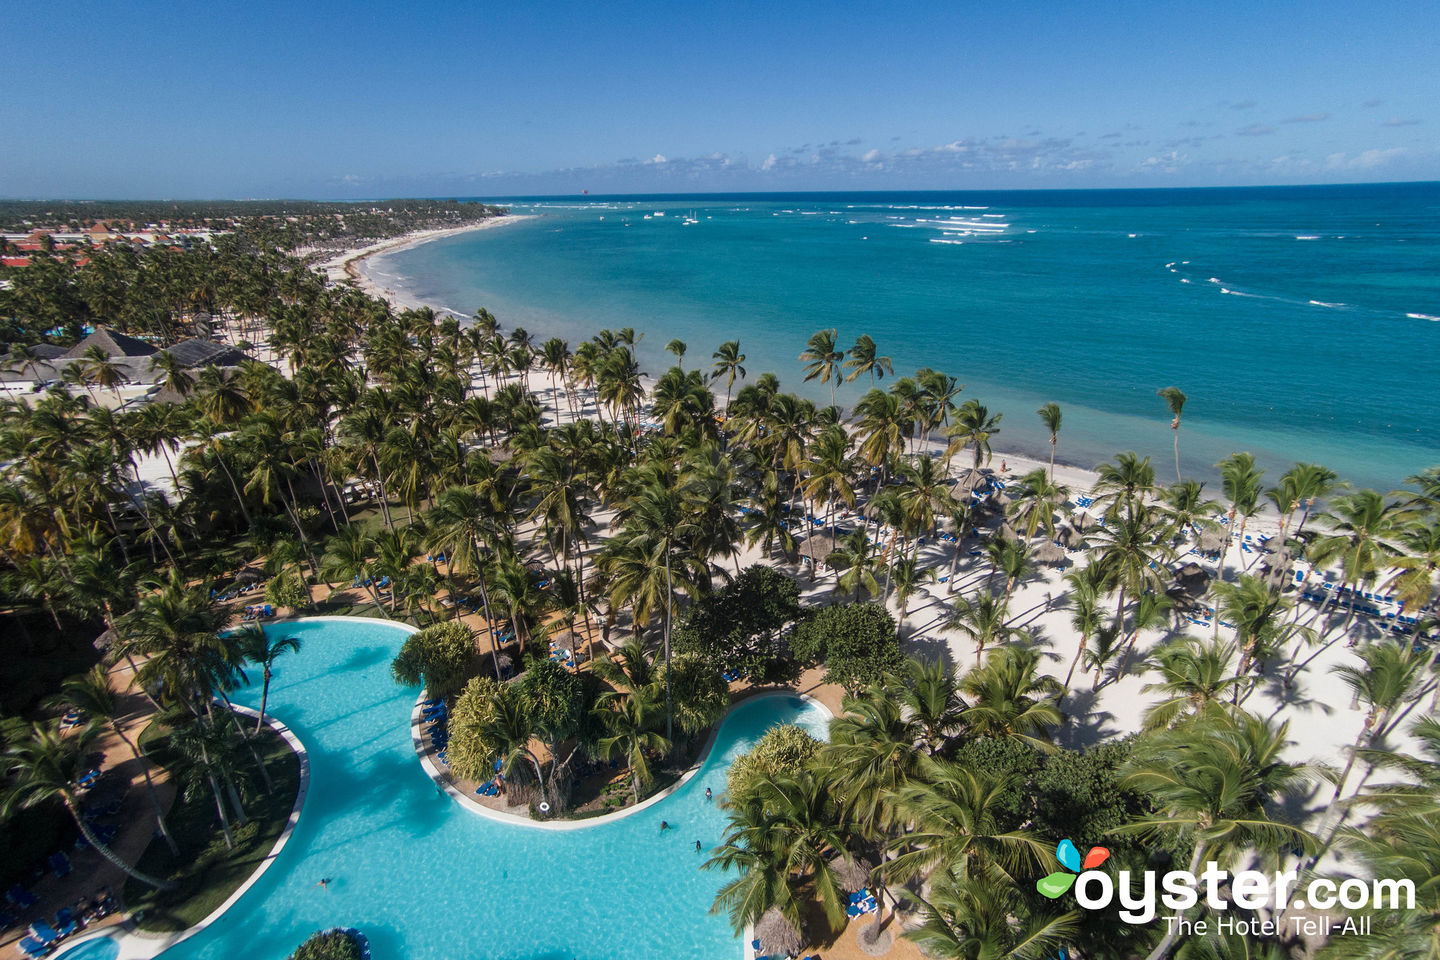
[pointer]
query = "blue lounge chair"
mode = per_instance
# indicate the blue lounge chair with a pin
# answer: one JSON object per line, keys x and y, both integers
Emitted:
{"x": 65, "y": 921}
{"x": 21, "y": 897}
{"x": 43, "y": 932}
{"x": 60, "y": 864}
{"x": 32, "y": 947}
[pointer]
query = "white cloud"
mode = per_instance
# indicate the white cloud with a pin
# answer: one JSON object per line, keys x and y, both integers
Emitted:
{"x": 769, "y": 162}
{"x": 870, "y": 156}
{"x": 1307, "y": 118}
{"x": 658, "y": 158}
{"x": 1364, "y": 160}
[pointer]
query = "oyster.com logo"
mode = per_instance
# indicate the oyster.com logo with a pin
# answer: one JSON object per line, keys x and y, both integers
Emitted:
{"x": 1055, "y": 884}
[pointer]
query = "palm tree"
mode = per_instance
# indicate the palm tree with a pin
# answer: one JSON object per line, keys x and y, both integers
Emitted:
{"x": 1392, "y": 676}
{"x": 1257, "y": 610}
{"x": 1176, "y": 401}
{"x": 629, "y": 720}
{"x": 1035, "y": 503}
{"x": 907, "y": 576}
{"x": 349, "y": 556}
{"x": 1085, "y": 590}
{"x": 1417, "y": 568}
{"x": 1241, "y": 481}
{"x": 932, "y": 695}
{"x": 91, "y": 694}
{"x": 1131, "y": 554}
{"x": 1215, "y": 780}
{"x": 262, "y": 649}
{"x": 822, "y": 356}
{"x": 974, "y": 427}
{"x": 955, "y": 815}
{"x": 1010, "y": 698}
{"x": 1193, "y": 674}
{"x": 984, "y": 620}
{"x": 677, "y": 347}
{"x": 1362, "y": 526}
{"x": 44, "y": 766}
{"x": 970, "y": 918}
{"x": 1126, "y": 482}
{"x": 728, "y": 360}
{"x": 1050, "y": 416}
{"x": 1011, "y": 558}
{"x": 1299, "y": 486}
{"x": 864, "y": 359}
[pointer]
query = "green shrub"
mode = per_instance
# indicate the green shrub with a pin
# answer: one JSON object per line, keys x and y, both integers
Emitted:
{"x": 328, "y": 945}
{"x": 442, "y": 657}
{"x": 784, "y": 749}
{"x": 855, "y": 641}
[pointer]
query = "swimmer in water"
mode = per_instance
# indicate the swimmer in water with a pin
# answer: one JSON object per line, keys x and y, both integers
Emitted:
{"x": 708, "y": 794}
{"x": 324, "y": 883}
{"x": 664, "y": 825}
{"x": 698, "y": 848}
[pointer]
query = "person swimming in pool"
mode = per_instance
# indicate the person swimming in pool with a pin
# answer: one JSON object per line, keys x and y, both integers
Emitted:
{"x": 708, "y": 794}
{"x": 324, "y": 883}
{"x": 664, "y": 825}
{"x": 698, "y": 848}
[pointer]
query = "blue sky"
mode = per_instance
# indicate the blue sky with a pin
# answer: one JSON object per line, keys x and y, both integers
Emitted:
{"x": 362, "y": 99}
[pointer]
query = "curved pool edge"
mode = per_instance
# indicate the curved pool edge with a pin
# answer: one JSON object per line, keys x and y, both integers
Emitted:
{"x": 136, "y": 945}
{"x": 417, "y": 737}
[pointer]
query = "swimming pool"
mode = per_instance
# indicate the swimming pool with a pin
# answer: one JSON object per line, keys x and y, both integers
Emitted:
{"x": 426, "y": 880}
{"x": 95, "y": 948}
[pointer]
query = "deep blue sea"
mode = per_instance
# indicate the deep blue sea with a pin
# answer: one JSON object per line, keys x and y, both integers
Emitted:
{"x": 1302, "y": 322}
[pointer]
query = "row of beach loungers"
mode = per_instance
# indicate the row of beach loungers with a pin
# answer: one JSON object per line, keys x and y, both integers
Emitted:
{"x": 42, "y": 936}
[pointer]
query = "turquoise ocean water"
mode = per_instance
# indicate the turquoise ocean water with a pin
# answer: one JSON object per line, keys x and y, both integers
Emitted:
{"x": 1303, "y": 322}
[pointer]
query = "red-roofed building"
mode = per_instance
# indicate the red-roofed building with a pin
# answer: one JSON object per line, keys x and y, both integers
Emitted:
{"x": 15, "y": 261}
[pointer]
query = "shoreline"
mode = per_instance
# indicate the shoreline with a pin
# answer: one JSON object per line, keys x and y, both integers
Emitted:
{"x": 349, "y": 266}
{"x": 1010, "y": 464}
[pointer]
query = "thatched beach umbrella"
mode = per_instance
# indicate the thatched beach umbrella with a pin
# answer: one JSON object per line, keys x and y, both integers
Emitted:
{"x": 777, "y": 935}
{"x": 818, "y": 547}
{"x": 1072, "y": 539}
{"x": 249, "y": 575}
{"x": 1192, "y": 578}
{"x": 853, "y": 874}
{"x": 968, "y": 482}
{"x": 1211, "y": 541}
{"x": 1008, "y": 532}
{"x": 1049, "y": 553}
{"x": 105, "y": 641}
{"x": 1082, "y": 520}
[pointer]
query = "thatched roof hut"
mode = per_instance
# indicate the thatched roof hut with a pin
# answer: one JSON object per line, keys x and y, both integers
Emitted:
{"x": 1192, "y": 578}
{"x": 777, "y": 935}
{"x": 1049, "y": 553}
{"x": 969, "y": 481}
{"x": 1211, "y": 541}
{"x": 853, "y": 873}
{"x": 818, "y": 547}
{"x": 1082, "y": 520}
{"x": 1071, "y": 538}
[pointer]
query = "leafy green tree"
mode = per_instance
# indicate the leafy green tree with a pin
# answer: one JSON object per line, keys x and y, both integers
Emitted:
{"x": 855, "y": 641}
{"x": 441, "y": 656}
{"x": 736, "y": 629}
{"x": 328, "y": 945}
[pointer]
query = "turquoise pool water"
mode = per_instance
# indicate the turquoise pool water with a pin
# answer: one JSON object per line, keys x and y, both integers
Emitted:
{"x": 425, "y": 879}
{"x": 98, "y": 948}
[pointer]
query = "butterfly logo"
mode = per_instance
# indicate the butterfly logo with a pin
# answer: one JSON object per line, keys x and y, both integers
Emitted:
{"x": 1058, "y": 882}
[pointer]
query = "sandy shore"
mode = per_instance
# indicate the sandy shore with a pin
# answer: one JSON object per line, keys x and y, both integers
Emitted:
{"x": 349, "y": 265}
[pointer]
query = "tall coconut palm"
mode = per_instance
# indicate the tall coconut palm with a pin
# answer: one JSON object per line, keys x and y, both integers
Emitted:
{"x": 931, "y": 693}
{"x": 45, "y": 765}
{"x": 1086, "y": 588}
{"x": 629, "y": 720}
{"x": 1215, "y": 781}
{"x": 966, "y": 918}
{"x": 92, "y": 694}
{"x": 263, "y": 649}
{"x": 1193, "y": 674}
{"x": 973, "y": 427}
{"x": 1050, "y": 415}
{"x": 907, "y": 577}
{"x": 1035, "y": 503}
{"x": 1126, "y": 482}
{"x": 1416, "y": 569}
{"x": 822, "y": 356}
{"x": 728, "y": 364}
{"x": 1362, "y": 527}
{"x": 956, "y": 822}
{"x": 1009, "y": 698}
{"x": 1131, "y": 554}
{"x": 1241, "y": 481}
{"x": 864, "y": 359}
{"x": 984, "y": 620}
{"x": 1175, "y": 400}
